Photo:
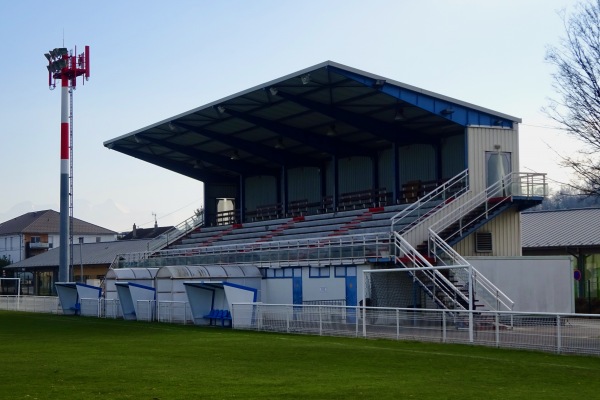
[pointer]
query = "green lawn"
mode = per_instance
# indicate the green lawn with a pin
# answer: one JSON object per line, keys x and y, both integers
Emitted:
{"x": 45, "y": 356}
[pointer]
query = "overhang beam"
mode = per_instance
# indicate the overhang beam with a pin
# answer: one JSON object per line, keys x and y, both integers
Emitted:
{"x": 279, "y": 156}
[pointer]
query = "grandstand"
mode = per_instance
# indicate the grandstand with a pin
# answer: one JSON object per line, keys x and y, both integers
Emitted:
{"x": 320, "y": 176}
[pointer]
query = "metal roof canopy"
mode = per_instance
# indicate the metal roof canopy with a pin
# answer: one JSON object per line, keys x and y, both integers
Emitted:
{"x": 302, "y": 119}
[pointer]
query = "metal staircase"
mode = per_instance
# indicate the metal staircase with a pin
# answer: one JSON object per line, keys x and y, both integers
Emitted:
{"x": 460, "y": 285}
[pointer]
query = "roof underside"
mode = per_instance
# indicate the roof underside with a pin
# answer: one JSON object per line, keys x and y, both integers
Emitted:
{"x": 303, "y": 119}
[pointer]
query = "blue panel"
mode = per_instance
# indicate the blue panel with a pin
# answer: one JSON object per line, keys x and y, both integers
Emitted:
{"x": 461, "y": 114}
{"x": 351, "y": 298}
{"x": 297, "y": 290}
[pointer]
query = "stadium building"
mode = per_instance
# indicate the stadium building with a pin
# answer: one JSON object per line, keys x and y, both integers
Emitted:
{"x": 315, "y": 180}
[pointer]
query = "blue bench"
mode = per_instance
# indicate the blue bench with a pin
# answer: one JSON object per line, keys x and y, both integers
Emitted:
{"x": 218, "y": 315}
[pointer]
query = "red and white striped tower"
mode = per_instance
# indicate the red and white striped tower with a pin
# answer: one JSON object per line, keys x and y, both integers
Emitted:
{"x": 67, "y": 68}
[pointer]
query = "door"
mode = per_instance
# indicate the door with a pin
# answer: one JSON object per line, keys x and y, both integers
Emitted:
{"x": 498, "y": 166}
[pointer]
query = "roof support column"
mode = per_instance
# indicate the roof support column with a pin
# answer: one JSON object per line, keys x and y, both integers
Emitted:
{"x": 323, "y": 181}
{"x": 396, "y": 166}
{"x": 283, "y": 190}
{"x": 336, "y": 184}
{"x": 438, "y": 161}
{"x": 242, "y": 199}
{"x": 375, "y": 171}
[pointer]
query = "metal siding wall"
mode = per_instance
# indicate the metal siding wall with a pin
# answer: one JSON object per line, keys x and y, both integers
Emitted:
{"x": 386, "y": 169}
{"x": 453, "y": 156}
{"x": 480, "y": 140}
{"x": 506, "y": 237}
{"x": 355, "y": 174}
{"x": 329, "y": 178}
{"x": 304, "y": 184}
{"x": 417, "y": 162}
{"x": 260, "y": 190}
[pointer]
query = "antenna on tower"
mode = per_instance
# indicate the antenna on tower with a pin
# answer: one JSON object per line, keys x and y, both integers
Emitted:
{"x": 155, "y": 221}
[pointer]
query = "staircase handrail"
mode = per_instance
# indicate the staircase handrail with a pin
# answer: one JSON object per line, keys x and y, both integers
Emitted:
{"x": 475, "y": 201}
{"x": 404, "y": 247}
{"x": 459, "y": 183}
{"x": 178, "y": 231}
{"x": 523, "y": 184}
{"x": 480, "y": 281}
{"x": 173, "y": 234}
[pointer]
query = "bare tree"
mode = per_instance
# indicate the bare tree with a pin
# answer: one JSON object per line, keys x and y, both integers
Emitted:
{"x": 576, "y": 81}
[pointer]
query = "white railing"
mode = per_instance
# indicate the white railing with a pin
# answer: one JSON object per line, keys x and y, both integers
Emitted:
{"x": 426, "y": 205}
{"x": 558, "y": 333}
{"x": 174, "y": 312}
{"x": 484, "y": 290}
{"x": 326, "y": 251}
{"x": 440, "y": 285}
{"x": 519, "y": 184}
{"x": 40, "y": 304}
{"x": 177, "y": 231}
{"x": 551, "y": 332}
{"x": 172, "y": 235}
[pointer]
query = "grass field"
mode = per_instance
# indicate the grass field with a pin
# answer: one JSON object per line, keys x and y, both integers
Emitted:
{"x": 46, "y": 356}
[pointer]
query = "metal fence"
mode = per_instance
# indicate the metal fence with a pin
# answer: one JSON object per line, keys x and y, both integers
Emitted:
{"x": 558, "y": 333}
{"x": 40, "y": 304}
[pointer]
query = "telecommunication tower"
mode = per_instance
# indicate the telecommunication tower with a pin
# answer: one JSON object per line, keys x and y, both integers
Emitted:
{"x": 66, "y": 66}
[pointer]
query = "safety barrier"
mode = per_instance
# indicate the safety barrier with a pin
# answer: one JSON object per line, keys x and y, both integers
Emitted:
{"x": 558, "y": 333}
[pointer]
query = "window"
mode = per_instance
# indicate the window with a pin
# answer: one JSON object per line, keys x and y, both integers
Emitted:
{"x": 343, "y": 271}
{"x": 35, "y": 239}
{"x": 98, "y": 239}
{"x": 281, "y": 273}
{"x": 319, "y": 272}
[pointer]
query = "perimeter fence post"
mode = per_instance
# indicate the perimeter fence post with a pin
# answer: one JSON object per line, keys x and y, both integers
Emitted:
{"x": 558, "y": 335}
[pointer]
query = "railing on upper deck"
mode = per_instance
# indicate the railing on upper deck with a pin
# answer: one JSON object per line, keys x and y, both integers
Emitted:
{"x": 437, "y": 198}
{"x": 331, "y": 250}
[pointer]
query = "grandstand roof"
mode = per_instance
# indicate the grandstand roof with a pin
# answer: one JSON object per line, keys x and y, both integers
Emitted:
{"x": 102, "y": 253}
{"x": 561, "y": 228}
{"x": 48, "y": 221}
{"x": 301, "y": 119}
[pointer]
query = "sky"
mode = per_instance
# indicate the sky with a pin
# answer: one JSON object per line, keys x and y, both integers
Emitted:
{"x": 151, "y": 60}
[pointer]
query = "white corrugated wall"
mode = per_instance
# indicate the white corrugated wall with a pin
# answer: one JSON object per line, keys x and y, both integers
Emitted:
{"x": 506, "y": 237}
{"x": 483, "y": 139}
